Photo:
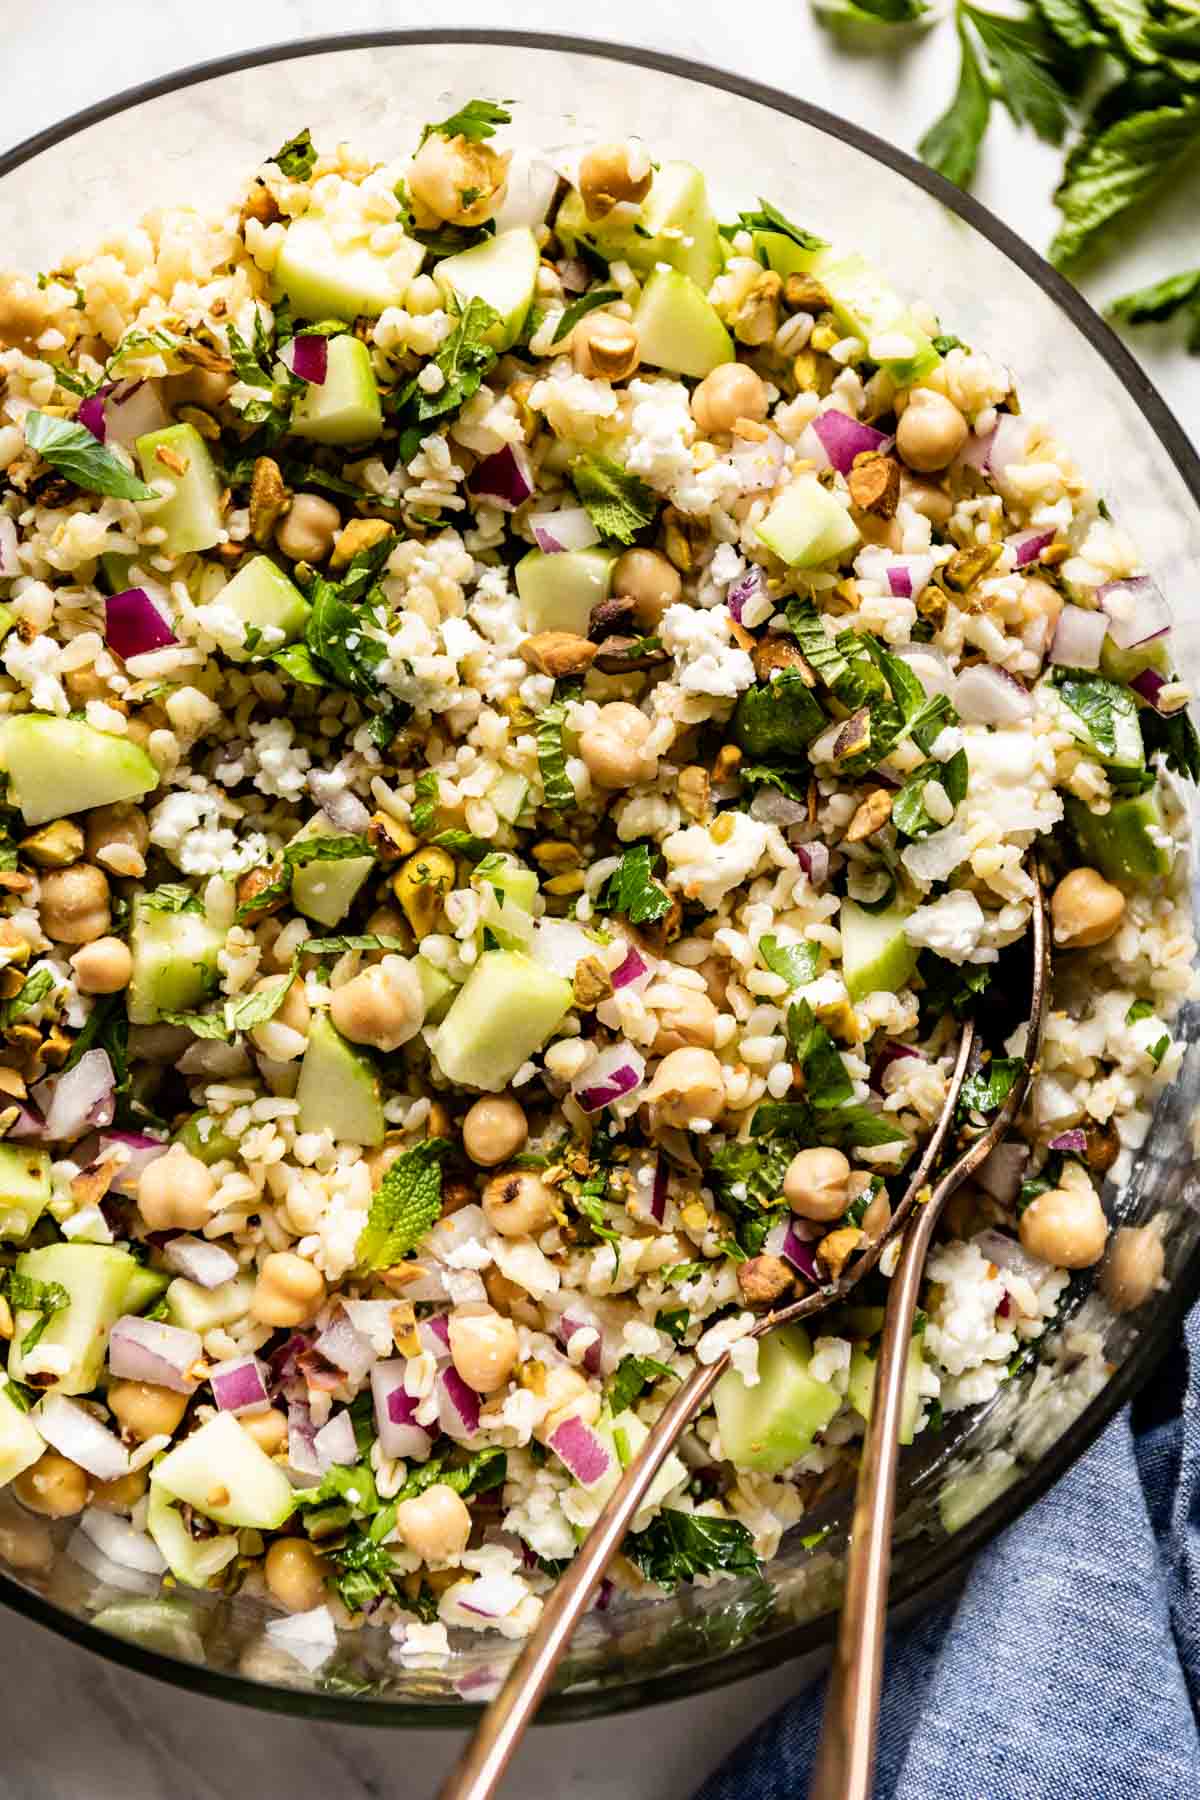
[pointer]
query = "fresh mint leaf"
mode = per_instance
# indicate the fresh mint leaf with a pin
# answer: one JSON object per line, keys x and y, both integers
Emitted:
{"x": 406, "y": 1204}
{"x": 74, "y": 452}
{"x": 908, "y": 808}
{"x": 1071, "y": 22}
{"x": 674, "y": 1320}
{"x": 1098, "y": 703}
{"x": 462, "y": 843}
{"x": 778, "y": 719}
{"x": 477, "y": 1474}
{"x": 558, "y": 793}
{"x": 354, "y": 1483}
{"x": 676, "y": 1546}
{"x": 344, "y": 629}
{"x": 476, "y": 121}
{"x": 1173, "y": 737}
{"x": 633, "y": 890}
{"x": 885, "y": 12}
{"x": 297, "y": 158}
{"x": 1027, "y": 62}
{"x": 335, "y": 946}
{"x": 425, "y": 805}
{"x": 296, "y": 660}
{"x": 579, "y": 309}
{"x": 826, "y": 1083}
{"x": 106, "y": 1028}
{"x": 1119, "y": 169}
{"x": 952, "y": 143}
{"x": 171, "y": 897}
{"x": 797, "y": 963}
{"x": 202, "y": 1025}
{"x": 618, "y": 504}
{"x": 633, "y": 1376}
{"x": 1161, "y": 301}
{"x": 464, "y": 359}
{"x": 261, "y": 1004}
{"x": 769, "y": 218}
{"x": 38, "y": 987}
{"x": 748, "y": 1179}
{"x": 45, "y": 1298}
{"x": 855, "y": 1127}
{"x": 75, "y": 381}
{"x": 325, "y": 848}
{"x": 984, "y": 1091}
{"x": 791, "y": 782}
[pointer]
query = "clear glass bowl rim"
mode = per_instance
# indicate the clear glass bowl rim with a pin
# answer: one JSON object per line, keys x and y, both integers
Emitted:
{"x": 922, "y": 1573}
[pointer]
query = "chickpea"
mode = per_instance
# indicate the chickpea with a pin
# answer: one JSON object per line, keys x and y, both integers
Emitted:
{"x": 121, "y": 1495}
{"x": 483, "y": 1346}
{"x": 175, "y": 1191}
{"x": 384, "y": 1006}
{"x": 207, "y": 388}
{"x": 605, "y": 346}
{"x": 52, "y": 1486}
{"x": 517, "y": 1202}
{"x": 25, "y": 1545}
{"x": 688, "y": 1084}
{"x": 388, "y": 921}
{"x": 144, "y": 1410}
{"x": 103, "y": 966}
{"x": 931, "y": 431}
{"x": 284, "y": 1035}
{"x": 288, "y": 1290}
{"x": 817, "y": 1184}
{"x": 507, "y": 1297}
{"x": 611, "y": 174}
{"x": 1085, "y": 909}
{"x": 648, "y": 579}
{"x": 421, "y": 884}
{"x": 269, "y": 1430}
{"x": 691, "y": 1019}
{"x": 614, "y": 747}
{"x": 568, "y": 1395}
{"x": 731, "y": 392}
{"x": 1066, "y": 1227}
{"x": 435, "y": 1525}
{"x": 458, "y": 181}
{"x": 307, "y": 530}
{"x": 295, "y": 1575}
{"x": 1134, "y": 1269}
{"x": 494, "y": 1129}
{"x": 926, "y": 498}
{"x": 73, "y": 904}
{"x": 117, "y": 836}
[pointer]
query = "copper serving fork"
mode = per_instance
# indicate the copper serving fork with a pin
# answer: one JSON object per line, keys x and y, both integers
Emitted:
{"x": 479, "y": 1771}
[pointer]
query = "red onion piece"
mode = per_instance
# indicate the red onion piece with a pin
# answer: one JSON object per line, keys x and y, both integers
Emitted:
{"x": 29, "y": 1123}
{"x": 133, "y": 408}
{"x": 240, "y": 1385}
{"x": 1001, "y": 1173}
{"x": 985, "y": 695}
{"x": 814, "y": 860}
{"x": 458, "y": 1405}
{"x": 616, "y": 1071}
{"x": 581, "y": 1451}
{"x": 310, "y": 357}
{"x": 302, "y": 1457}
{"x": 78, "y": 1435}
{"x": 574, "y": 275}
{"x": 335, "y": 1442}
{"x": 1007, "y": 1253}
{"x": 909, "y": 576}
{"x": 801, "y": 1254}
{"x": 79, "y": 1097}
{"x": 120, "y": 1542}
{"x": 284, "y": 1363}
{"x": 577, "y": 1319}
{"x": 10, "y": 562}
{"x": 133, "y": 624}
{"x": 891, "y": 1052}
{"x": 628, "y": 969}
{"x": 745, "y": 588}
{"x": 1028, "y": 546}
{"x": 1137, "y": 611}
{"x": 1074, "y": 1141}
{"x": 151, "y": 1350}
{"x": 1004, "y": 1307}
{"x": 658, "y": 1195}
{"x": 899, "y": 581}
{"x": 346, "y": 1348}
{"x": 844, "y": 438}
{"x": 1078, "y": 638}
{"x": 208, "y": 1265}
{"x": 568, "y": 529}
{"x": 506, "y": 479}
{"x": 91, "y": 414}
{"x": 139, "y": 1148}
{"x": 1149, "y": 685}
{"x": 344, "y": 810}
{"x": 434, "y": 1333}
{"x": 319, "y": 1375}
{"x": 395, "y": 1413}
{"x": 976, "y": 452}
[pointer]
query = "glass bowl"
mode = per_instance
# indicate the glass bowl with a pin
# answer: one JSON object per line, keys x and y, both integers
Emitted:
{"x": 190, "y": 137}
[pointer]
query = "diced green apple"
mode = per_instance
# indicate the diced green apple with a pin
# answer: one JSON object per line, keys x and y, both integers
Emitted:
{"x": 1130, "y": 842}
{"x": 557, "y": 592}
{"x": 860, "y": 1390}
{"x": 674, "y": 225}
{"x": 21, "y": 1443}
{"x": 809, "y": 525}
{"x": 57, "y": 766}
{"x": 24, "y": 1190}
{"x": 205, "y": 1139}
{"x": 191, "y": 518}
{"x": 678, "y": 329}
{"x": 345, "y": 407}
{"x": 146, "y": 1286}
{"x": 262, "y": 597}
{"x": 97, "y": 1278}
{"x": 502, "y": 271}
{"x": 325, "y": 890}
{"x": 324, "y": 281}
{"x": 503, "y": 1013}
{"x": 224, "y": 1474}
{"x": 174, "y": 961}
{"x": 876, "y": 955}
{"x": 338, "y": 1090}
{"x": 786, "y": 257}
{"x": 868, "y": 308}
{"x": 194, "y": 1561}
{"x": 437, "y": 989}
{"x": 204, "y": 1309}
{"x": 771, "y": 1425}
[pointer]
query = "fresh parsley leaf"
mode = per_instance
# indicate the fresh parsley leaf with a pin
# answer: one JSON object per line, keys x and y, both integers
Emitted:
{"x": 826, "y": 1083}
{"x": 948, "y": 987}
{"x": 1097, "y": 703}
{"x": 475, "y": 121}
{"x": 477, "y": 1474}
{"x": 791, "y": 782}
{"x": 106, "y": 1028}
{"x": 1071, "y": 22}
{"x": 462, "y": 843}
{"x": 1027, "y": 63}
{"x": 202, "y": 1025}
{"x": 354, "y": 1483}
{"x": 464, "y": 359}
{"x": 426, "y": 802}
{"x": 884, "y": 12}
{"x": 952, "y": 143}
{"x": 856, "y": 1127}
{"x": 618, "y": 504}
{"x": 1119, "y": 169}
{"x": 984, "y": 1091}
{"x": 75, "y": 381}
{"x": 748, "y": 1179}
{"x": 75, "y": 453}
{"x": 405, "y": 1205}
{"x": 633, "y": 1376}
{"x": 797, "y": 963}
{"x": 38, "y": 987}
{"x": 674, "y": 1320}
{"x": 769, "y": 218}
{"x": 633, "y": 890}
{"x": 580, "y": 308}
{"x": 558, "y": 793}
{"x": 908, "y": 807}
{"x": 364, "y": 1570}
{"x": 344, "y": 626}
{"x": 297, "y": 158}
{"x": 677, "y": 1545}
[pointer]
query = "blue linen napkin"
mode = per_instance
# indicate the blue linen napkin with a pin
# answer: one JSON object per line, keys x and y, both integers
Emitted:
{"x": 1069, "y": 1666}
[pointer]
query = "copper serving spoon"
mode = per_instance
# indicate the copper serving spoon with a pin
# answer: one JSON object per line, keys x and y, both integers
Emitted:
{"x": 848, "y": 1741}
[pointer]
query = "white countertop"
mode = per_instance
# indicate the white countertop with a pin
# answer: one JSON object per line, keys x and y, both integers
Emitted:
{"x": 71, "y": 1725}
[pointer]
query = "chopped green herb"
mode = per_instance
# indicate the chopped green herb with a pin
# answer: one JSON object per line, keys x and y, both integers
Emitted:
{"x": 618, "y": 504}
{"x": 75, "y": 453}
{"x": 405, "y": 1205}
{"x": 677, "y": 1546}
{"x": 580, "y": 308}
{"x": 797, "y": 963}
{"x": 475, "y": 121}
{"x": 633, "y": 890}
{"x": 297, "y": 158}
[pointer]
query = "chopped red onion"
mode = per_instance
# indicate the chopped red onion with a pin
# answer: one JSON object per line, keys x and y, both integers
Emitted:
{"x": 1074, "y": 1141}
{"x": 494, "y": 1596}
{"x": 574, "y": 275}
{"x": 346, "y": 1348}
{"x": 284, "y": 1363}
{"x": 91, "y": 414}
{"x": 771, "y": 807}
{"x": 1137, "y": 611}
{"x": 320, "y": 1375}
{"x": 239, "y": 1385}
{"x": 801, "y": 1254}
{"x": 208, "y": 1265}
{"x": 309, "y": 357}
{"x": 302, "y": 1457}
{"x": 335, "y": 1442}
{"x": 577, "y": 1319}
{"x": 568, "y": 529}
{"x": 1078, "y": 638}
{"x": 1149, "y": 686}
{"x": 628, "y": 969}
{"x": 344, "y": 810}
{"x": 844, "y": 438}
{"x": 659, "y": 1192}
{"x": 29, "y": 1123}
{"x": 79, "y": 1097}
{"x": 505, "y": 479}
{"x": 581, "y": 1451}
{"x": 121, "y": 1542}
{"x": 617, "y": 1071}
{"x": 396, "y": 1411}
{"x": 1007, "y": 1253}
{"x": 458, "y": 1405}
{"x": 976, "y": 452}
{"x": 1000, "y": 1174}
{"x": 1004, "y": 1306}
{"x": 909, "y": 576}
{"x": 745, "y": 588}
{"x": 899, "y": 581}
{"x": 78, "y": 1435}
{"x": 891, "y": 1053}
{"x": 10, "y": 562}
{"x": 986, "y": 695}
{"x": 814, "y": 860}
{"x": 151, "y": 1350}
{"x": 133, "y": 624}
{"x": 434, "y": 1333}
{"x": 140, "y": 1150}
{"x": 1027, "y": 546}
{"x": 133, "y": 408}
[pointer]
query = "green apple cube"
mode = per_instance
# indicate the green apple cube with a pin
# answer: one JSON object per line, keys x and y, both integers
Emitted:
{"x": 204, "y": 1138}
{"x": 437, "y": 989}
{"x": 678, "y": 329}
{"x": 191, "y": 518}
{"x": 338, "y": 1090}
{"x": 146, "y": 1286}
{"x": 860, "y": 1390}
{"x": 558, "y": 591}
{"x": 225, "y": 1475}
{"x": 771, "y": 1425}
{"x": 326, "y": 889}
{"x": 194, "y": 1561}
{"x": 502, "y": 271}
{"x": 97, "y": 1279}
{"x": 194, "y": 1308}
{"x": 867, "y": 307}
{"x": 809, "y": 525}
{"x": 1130, "y": 842}
{"x": 174, "y": 961}
{"x": 324, "y": 281}
{"x": 24, "y": 1190}
{"x": 876, "y": 954}
{"x": 674, "y": 225}
{"x": 345, "y": 407}
{"x": 262, "y": 597}
{"x": 58, "y": 766}
{"x": 786, "y": 257}
{"x": 504, "y": 1012}
{"x": 21, "y": 1444}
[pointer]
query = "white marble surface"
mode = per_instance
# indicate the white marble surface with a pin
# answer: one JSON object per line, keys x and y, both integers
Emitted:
{"x": 70, "y": 1725}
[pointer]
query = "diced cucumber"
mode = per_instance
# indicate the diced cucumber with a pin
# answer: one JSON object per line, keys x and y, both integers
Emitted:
{"x": 325, "y": 891}
{"x": 24, "y": 1190}
{"x": 809, "y": 525}
{"x": 860, "y": 1391}
{"x": 516, "y": 883}
{"x": 867, "y": 307}
{"x": 225, "y": 1475}
{"x": 674, "y": 225}
{"x": 345, "y": 408}
{"x": 503, "y": 1013}
{"x": 509, "y": 794}
{"x": 146, "y": 1286}
{"x": 174, "y": 961}
{"x": 787, "y": 257}
{"x": 860, "y": 1321}
{"x": 678, "y": 329}
{"x": 205, "y": 1139}
{"x": 202, "y": 1309}
{"x": 324, "y": 281}
{"x": 771, "y": 1425}
{"x": 8, "y": 619}
{"x": 97, "y": 1279}
{"x": 876, "y": 955}
{"x": 191, "y": 518}
{"x": 557, "y": 592}
{"x": 21, "y": 1443}
{"x": 629, "y": 1434}
{"x": 1130, "y": 842}
{"x": 194, "y": 1561}
{"x": 502, "y": 271}
{"x": 338, "y": 1088}
{"x": 262, "y": 596}
{"x": 436, "y": 987}
{"x": 163, "y": 1625}
{"x": 58, "y": 766}
{"x": 1125, "y": 665}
